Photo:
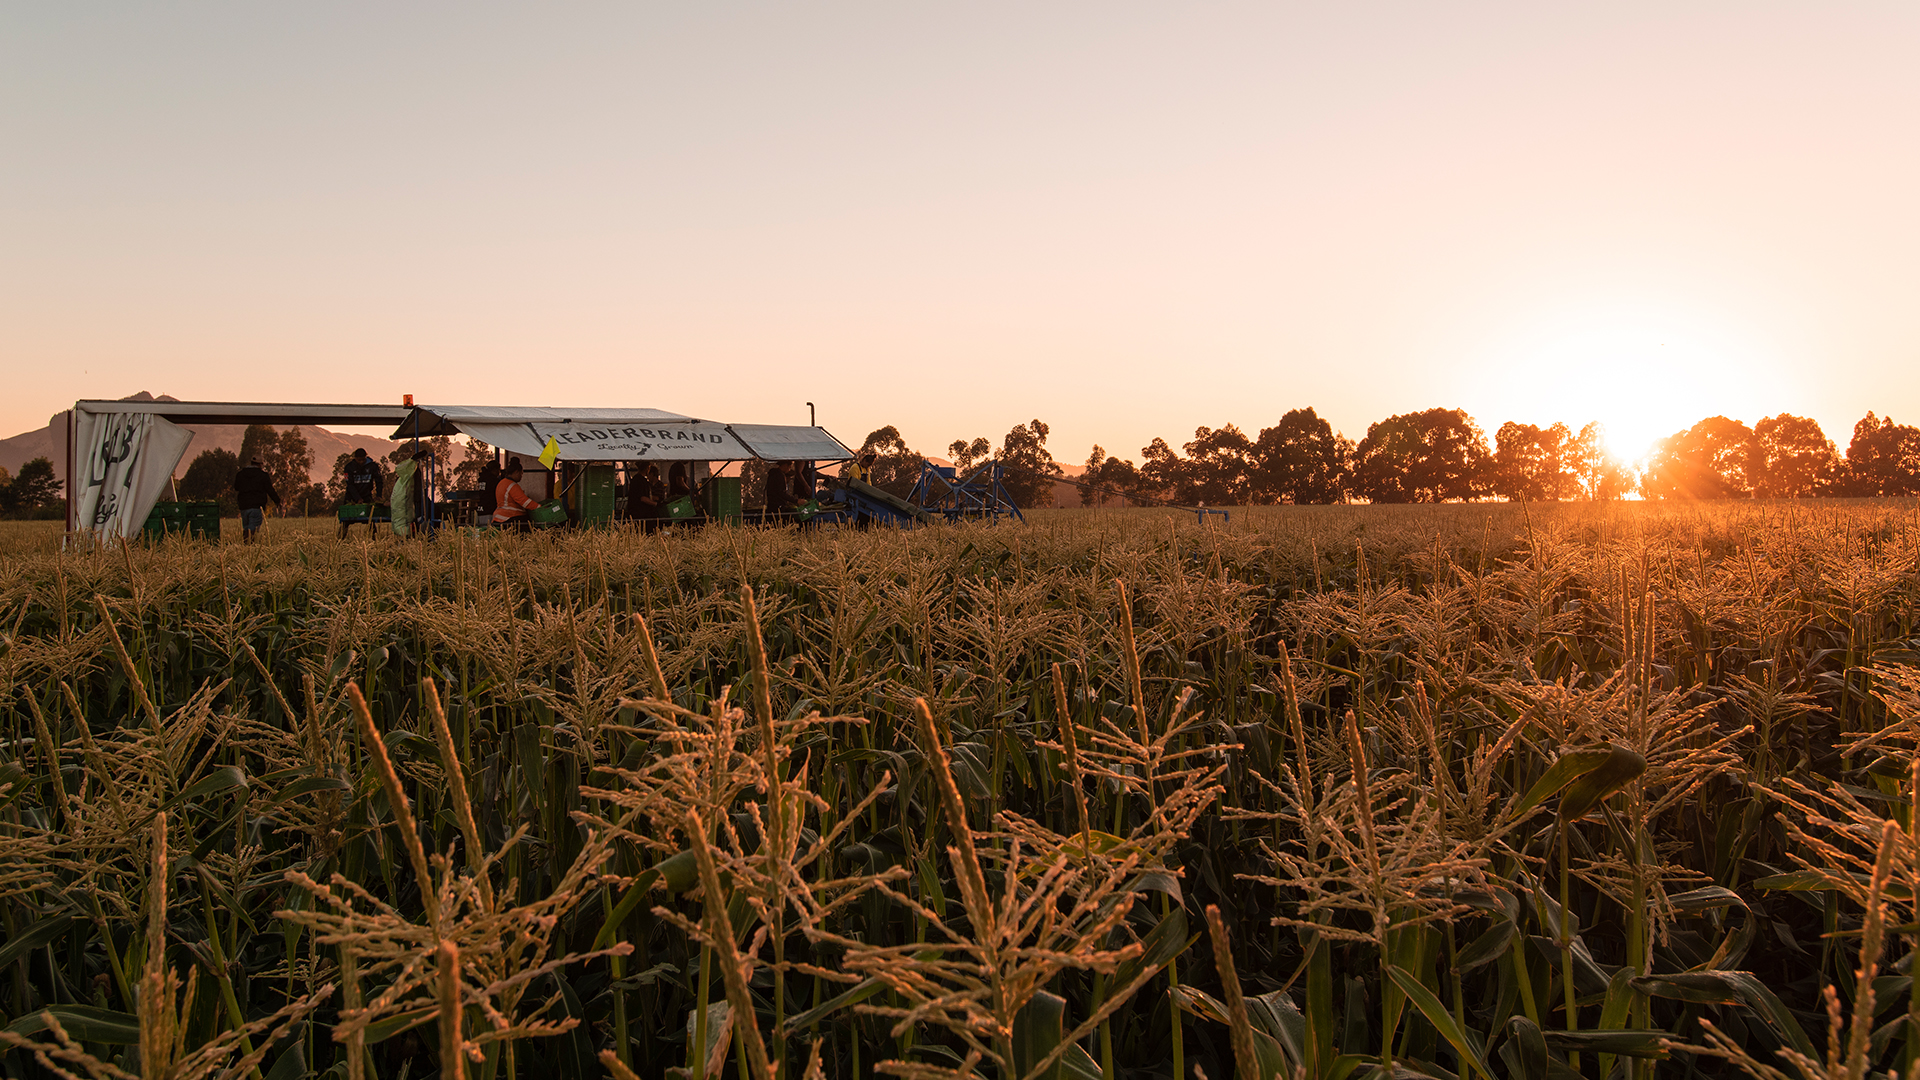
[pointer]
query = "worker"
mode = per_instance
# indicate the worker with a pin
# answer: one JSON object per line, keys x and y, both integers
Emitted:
{"x": 254, "y": 489}
{"x": 646, "y": 494}
{"x": 489, "y": 479}
{"x": 362, "y": 476}
{"x": 806, "y": 481}
{"x": 511, "y": 501}
{"x": 679, "y": 487}
{"x": 419, "y": 520}
{"x": 362, "y": 480}
{"x": 779, "y": 493}
{"x": 861, "y": 468}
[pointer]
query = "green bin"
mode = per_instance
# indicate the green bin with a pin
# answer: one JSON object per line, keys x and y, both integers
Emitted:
{"x": 196, "y": 519}
{"x": 723, "y": 499}
{"x": 596, "y": 494}
{"x": 551, "y": 512}
{"x": 203, "y": 519}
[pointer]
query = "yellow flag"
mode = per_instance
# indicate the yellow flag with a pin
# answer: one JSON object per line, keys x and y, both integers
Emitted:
{"x": 550, "y": 453}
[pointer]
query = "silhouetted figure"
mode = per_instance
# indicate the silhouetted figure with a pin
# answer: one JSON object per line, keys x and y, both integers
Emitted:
{"x": 490, "y": 474}
{"x": 646, "y": 495}
{"x": 362, "y": 481}
{"x": 254, "y": 490}
{"x": 779, "y": 493}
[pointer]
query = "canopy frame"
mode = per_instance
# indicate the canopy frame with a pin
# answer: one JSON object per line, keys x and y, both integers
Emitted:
{"x": 93, "y": 419}
{"x": 150, "y": 432}
{"x": 600, "y": 434}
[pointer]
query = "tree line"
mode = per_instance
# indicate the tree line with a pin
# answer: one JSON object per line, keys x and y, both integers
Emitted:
{"x": 1442, "y": 455}
{"x": 1436, "y": 455}
{"x": 32, "y": 493}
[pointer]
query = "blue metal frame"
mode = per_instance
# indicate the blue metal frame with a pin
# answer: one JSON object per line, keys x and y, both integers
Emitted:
{"x": 981, "y": 496}
{"x": 870, "y": 506}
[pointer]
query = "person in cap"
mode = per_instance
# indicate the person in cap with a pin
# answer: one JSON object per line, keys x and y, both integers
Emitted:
{"x": 254, "y": 490}
{"x": 511, "y": 501}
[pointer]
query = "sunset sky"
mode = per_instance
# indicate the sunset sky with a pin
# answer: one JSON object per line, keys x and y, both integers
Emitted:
{"x": 1125, "y": 219}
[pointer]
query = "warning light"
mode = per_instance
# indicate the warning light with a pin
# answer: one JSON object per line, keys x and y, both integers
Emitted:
{"x": 407, "y": 400}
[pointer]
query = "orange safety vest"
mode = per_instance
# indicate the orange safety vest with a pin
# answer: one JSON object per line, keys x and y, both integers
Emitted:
{"x": 510, "y": 501}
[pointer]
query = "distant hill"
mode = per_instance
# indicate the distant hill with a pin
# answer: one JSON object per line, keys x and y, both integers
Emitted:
{"x": 326, "y": 445}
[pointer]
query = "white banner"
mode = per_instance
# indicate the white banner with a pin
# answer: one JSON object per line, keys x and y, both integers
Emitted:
{"x": 698, "y": 440}
{"x": 126, "y": 461}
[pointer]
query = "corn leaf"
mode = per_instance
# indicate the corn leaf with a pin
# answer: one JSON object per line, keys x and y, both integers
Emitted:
{"x": 1437, "y": 1015}
{"x": 86, "y": 1023}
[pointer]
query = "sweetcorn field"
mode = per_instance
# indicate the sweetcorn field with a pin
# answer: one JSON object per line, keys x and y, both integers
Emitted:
{"x": 1468, "y": 792}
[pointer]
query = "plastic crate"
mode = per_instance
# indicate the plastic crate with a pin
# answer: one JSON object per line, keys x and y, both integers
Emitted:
{"x": 203, "y": 518}
{"x": 196, "y": 519}
{"x": 723, "y": 499}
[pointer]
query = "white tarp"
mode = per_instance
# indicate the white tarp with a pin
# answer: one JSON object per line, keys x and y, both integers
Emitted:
{"x": 126, "y": 461}
{"x": 504, "y": 414}
{"x": 691, "y": 440}
{"x": 784, "y": 442}
{"x": 513, "y": 438}
{"x": 587, "y": 434}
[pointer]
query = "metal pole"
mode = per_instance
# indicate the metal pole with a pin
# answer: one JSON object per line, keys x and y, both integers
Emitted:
{"x": 73, "y": 499}
{"x": 810, "y": 420}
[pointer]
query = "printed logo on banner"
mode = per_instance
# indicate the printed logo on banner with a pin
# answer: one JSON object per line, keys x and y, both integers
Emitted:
{"x": 124, "y": 462}
{"x": 114, "y": 459}
{"x": 612, "y": 441}
{"x": 116, "y": 446}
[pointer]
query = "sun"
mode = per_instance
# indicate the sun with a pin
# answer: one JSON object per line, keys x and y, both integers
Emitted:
{"x": 1641, "y": 371}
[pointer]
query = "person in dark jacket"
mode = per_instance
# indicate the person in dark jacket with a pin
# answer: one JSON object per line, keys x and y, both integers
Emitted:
{"x": 490, "y": 475}
{"x": 362, "y": 481}
{"x": 779, "y": 492}
{"x": 362, "y": 475}
{"x": 646, "y": 494}
{"x": 254, "y": 488}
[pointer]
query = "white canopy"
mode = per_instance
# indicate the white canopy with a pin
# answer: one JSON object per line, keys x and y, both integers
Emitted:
{"x": 777, "y": 442}
{"x": 457, "y": 419}
{"x": 584, "y": 434}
